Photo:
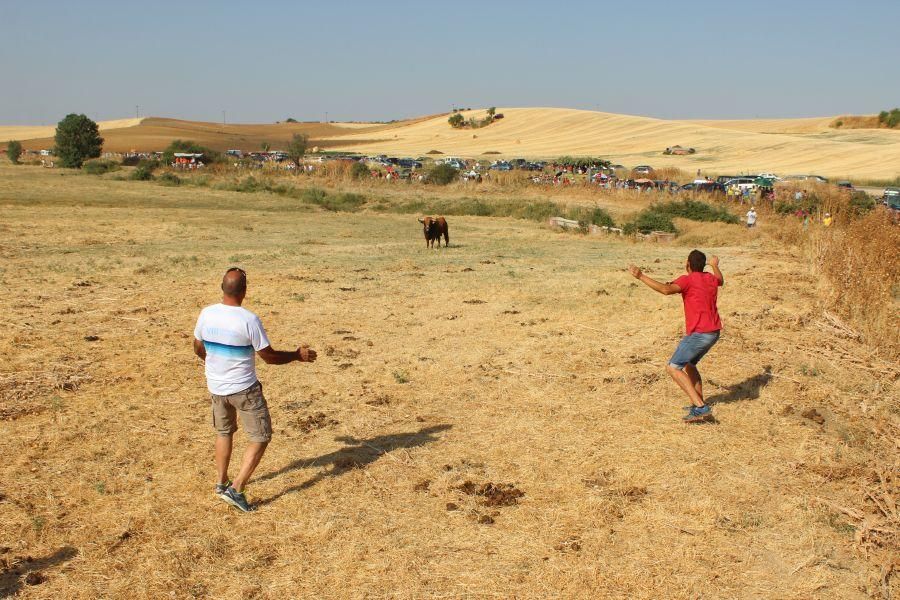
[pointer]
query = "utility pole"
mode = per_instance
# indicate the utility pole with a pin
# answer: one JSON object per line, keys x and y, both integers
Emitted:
{"x": 137, "y": 111}
{"x": 326, "y": 117}
{"x": 223, "y": 118}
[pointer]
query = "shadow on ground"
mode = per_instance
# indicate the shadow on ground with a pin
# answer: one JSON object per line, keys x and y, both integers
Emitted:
{"x": 356, "y": 454}
{"x": 29, "y": 571}
{"x": 746, "y": 390}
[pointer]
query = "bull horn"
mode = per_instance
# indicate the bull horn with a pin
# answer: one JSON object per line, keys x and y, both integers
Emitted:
{"x": 420, "y": 220}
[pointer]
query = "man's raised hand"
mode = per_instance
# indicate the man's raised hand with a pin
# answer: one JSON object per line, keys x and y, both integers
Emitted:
{"x": 714, "y": 261}
{"x": 306, "y": 354}
{"x": 635, "y": 271}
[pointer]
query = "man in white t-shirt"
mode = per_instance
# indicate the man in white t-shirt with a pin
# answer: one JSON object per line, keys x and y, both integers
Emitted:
{"x": 751, "y": 218}
{"x": 226, "y": 338}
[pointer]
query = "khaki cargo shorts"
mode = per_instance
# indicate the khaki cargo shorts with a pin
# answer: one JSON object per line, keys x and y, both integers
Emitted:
{"x": 251, "y": 405}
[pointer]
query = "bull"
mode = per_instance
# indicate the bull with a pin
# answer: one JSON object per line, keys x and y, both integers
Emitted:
{"x": 434, "y": 228}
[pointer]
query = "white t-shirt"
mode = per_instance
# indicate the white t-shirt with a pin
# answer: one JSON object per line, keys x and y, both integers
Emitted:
{"x": 231, "y": 336}
{"x": 751, "y": 217}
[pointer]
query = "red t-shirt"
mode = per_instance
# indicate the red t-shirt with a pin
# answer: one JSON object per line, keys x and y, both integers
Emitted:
{"x": 699, "y": 291}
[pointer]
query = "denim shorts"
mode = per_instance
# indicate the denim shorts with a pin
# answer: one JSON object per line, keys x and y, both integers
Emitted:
{"x": 692, "y": 348}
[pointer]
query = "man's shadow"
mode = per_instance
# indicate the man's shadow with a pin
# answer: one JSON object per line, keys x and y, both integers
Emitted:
{"x": 746, "y": 390}
{"x": 11, "y": 581}
{"x": 356, "y": 454}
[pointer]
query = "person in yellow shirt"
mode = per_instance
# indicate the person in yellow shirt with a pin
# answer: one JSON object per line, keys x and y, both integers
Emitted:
{"x": 826, "y": 221}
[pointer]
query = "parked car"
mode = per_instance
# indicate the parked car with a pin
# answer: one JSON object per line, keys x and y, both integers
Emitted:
{"x": 741, "y": 182}
{"x": 708, "y": 187}
{"x": 642, "y": 170}
{"x": 409, "y": 163}
{"x": 723, "y": 178}
{"x": 891, "y": 196}
{"x": 846, "y": 185}
{"x": 501, "y": 165}
{"x": 809, "y": 178}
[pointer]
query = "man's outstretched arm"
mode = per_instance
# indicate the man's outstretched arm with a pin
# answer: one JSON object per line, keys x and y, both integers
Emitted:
{"x": 662, "y": 288}
{"x": 282, "y": 357}
{"x": 714, "y": 263}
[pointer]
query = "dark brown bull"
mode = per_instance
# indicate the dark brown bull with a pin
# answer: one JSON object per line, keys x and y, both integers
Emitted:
{"x": 434, "y": 228}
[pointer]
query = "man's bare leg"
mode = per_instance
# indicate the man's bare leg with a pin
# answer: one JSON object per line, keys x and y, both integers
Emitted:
{"x": 695, "y": 378}
{"x": 223, "y": 457}
{"x": 252, "y": 455}
{"x": 685, "y": 383}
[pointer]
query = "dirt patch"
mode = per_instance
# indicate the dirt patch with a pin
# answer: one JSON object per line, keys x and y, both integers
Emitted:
{"x": 813, "y": 415}
{"x": 313, "y": 422}
{"x": 422, "y": 486}
{"x": 379, "y": 400}
{"x": 492, "y": 494}
{"x": 475, "y": 301}
{"x": 570, "y": 544}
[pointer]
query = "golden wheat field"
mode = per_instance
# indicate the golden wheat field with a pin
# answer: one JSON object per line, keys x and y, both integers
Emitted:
{"x": 783, "y": 146}
{"x": 487, "y": 420}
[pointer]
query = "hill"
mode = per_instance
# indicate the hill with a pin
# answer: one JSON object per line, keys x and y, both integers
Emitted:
{"x": 33, "y": 132}
{"x": 784, "y": 146}
{"x": 780, "y": 145}
{"x": 154, "y": 133}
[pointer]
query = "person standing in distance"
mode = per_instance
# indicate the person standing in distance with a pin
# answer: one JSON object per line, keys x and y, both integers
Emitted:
{"x": 751, "y": 218}
{"x": 699, "y": 291}
{"x": 225, "y": 338}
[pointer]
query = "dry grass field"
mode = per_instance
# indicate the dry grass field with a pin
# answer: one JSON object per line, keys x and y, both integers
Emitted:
{"x": 155, "y": 133}
{"x": 29, "y": 132}
{"x": 519, "y": 356}
{"x": 784, "y": 146}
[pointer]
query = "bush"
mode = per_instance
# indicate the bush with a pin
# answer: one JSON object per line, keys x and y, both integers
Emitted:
{"x": 359, "y": 170}
{"x": 591, "y": 216}
{"x": 456, "y": 120}
{"x": 650, "y": 220}
{"x": 142, "y": 173}
{"x": 890, "y": 118}
{"x": 697, "y": 211}
{"x": 861, "y": 204}
{"x": 296, "y": 148}
{"x": 14, "y": 151}
{"x": 861, "y": 262}
{"x": 170, "y": 179}
{"x": 99, "y": 166}
{"x": 77, "y": 140}
{"x": 443, "y": 174}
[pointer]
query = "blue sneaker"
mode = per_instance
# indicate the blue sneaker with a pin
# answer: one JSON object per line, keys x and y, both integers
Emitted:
{"x": 221, "y": 487}
{"x": 237, "y": 500}
{"x": 697, "y": 414}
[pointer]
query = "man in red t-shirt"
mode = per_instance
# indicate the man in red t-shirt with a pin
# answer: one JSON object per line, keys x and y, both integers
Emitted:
{"x": 699, "y": 291}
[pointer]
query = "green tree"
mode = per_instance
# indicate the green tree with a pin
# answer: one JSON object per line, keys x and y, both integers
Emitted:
{"x": 14, "y": 151}
{"x": 297, "y": 147}
{"x": 456, "y": 120}
{"x": 290, "y": 120}
{"x": 491, "y": 112}
{"x": 77, "y": 139}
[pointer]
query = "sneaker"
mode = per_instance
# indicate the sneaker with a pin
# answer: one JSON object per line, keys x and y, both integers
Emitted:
{"x": 221, "y": 487}
{"x": 698, "y": 413}
{"x": 236, "y": 499}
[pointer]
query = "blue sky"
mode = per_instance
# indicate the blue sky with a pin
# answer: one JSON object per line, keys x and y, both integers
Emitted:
{"x": 266, "y": 61}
